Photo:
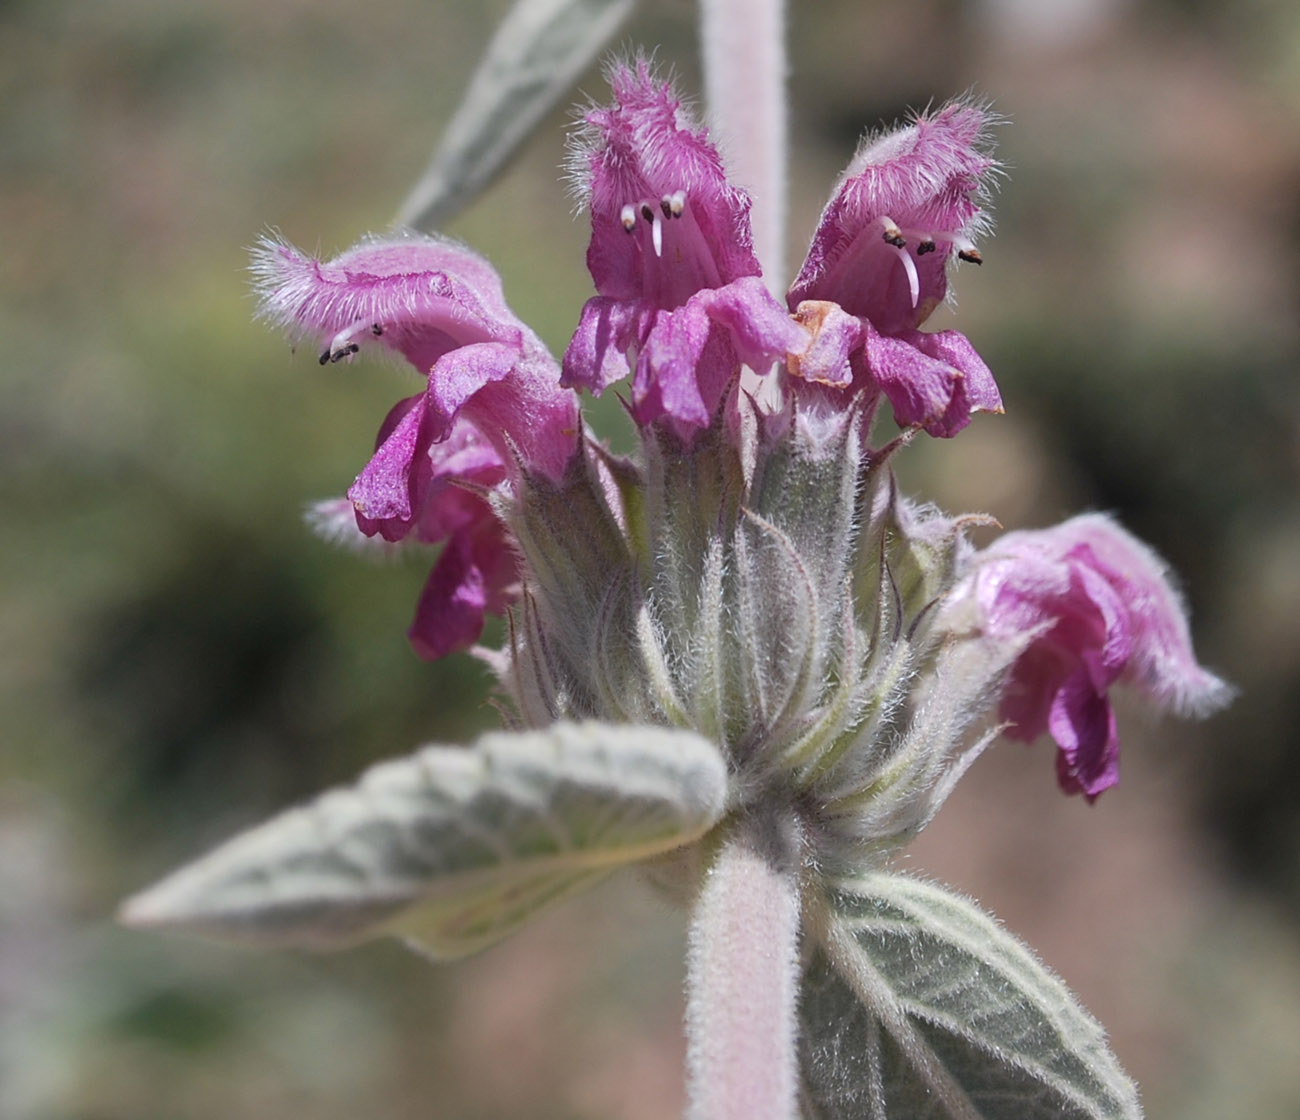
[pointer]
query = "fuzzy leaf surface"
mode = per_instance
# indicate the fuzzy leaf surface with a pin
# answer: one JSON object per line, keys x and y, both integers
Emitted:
{"x": 452, "y": 847}
{"x": 536, "y": 55}
{"x": 918, "y": 1006}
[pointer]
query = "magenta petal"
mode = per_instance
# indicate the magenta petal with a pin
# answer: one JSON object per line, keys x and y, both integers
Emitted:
{"x": 692, "y": 353}
{"x": 979, "y": 390}
{"x": 450, "y": 509}
{"x": 1144, "y": 636}
{"x": 513, "y": 398}
{"x": 461, "y": 374}
{"x": 383, "y": 492}
{"x": 451, "y": 610}
{"x": 448, "y": 505}
{"x": 671, "y": 376}
{"x": 760, "y": 329}
{"x": 1162, "y": 662}
{"x": 597, "y": 354}
{"x": 1082, "y": 722}
{"x": 1110, "y": 647}
{"x": 924, "y": 391}
{"x": 664, "y": 220}
{"x": 408, "y": 487}
{"x": 474, "y": 576}
{"x": 934, "y": 381}
{"x": 1030, "y": 692}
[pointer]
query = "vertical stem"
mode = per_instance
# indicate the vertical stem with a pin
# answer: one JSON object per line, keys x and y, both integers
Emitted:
{"x": 742, "y": 986}
{"x": 744, "y": 78}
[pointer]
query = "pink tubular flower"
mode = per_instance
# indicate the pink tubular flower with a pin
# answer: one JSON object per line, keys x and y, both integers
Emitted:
{"x": 680, "y": 293}
{"x": 441, "y": 307}
{"x": 492, "y": 405}
{"x": 1103, "y": 611}
{"x": 877, "y": 268}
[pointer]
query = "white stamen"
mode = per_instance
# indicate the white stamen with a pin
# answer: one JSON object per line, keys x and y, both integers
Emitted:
{"x": 677, "y": 203}
{"x": 913, "y": 281}
{"x": 657, "y": 235}
{"x": 628, "y": 217}
{"x": 344, "y": 344}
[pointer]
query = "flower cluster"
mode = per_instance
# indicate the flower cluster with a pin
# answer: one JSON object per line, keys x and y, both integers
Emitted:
{"x": 754, "y": 574}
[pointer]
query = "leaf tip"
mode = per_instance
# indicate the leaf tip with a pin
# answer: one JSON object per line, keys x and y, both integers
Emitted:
{"x": 150, "y": 909}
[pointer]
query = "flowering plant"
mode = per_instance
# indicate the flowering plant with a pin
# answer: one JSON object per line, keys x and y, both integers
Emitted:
{"x": 740, "y": 660}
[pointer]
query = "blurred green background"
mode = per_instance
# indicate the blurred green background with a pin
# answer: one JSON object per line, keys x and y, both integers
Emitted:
{"x": 179, "y": 657}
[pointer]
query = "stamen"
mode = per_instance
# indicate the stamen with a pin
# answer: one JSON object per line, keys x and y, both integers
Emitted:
{"x": 966, "y": 250}
{"x": 926, "y": 245}
{"x": 676, "y": 203}
{"x": 324, "y": 357}
{"x": 657, "y": 236}
{"x": 337, "y": 355}
{"x": 376, "y": 329}
{"x": 628, "y": 217}
{"x": 913, "y": 281}
{"x": 665, "y": 204}
{"x": 893, "y": 235}
{"x": 646, "y": 212}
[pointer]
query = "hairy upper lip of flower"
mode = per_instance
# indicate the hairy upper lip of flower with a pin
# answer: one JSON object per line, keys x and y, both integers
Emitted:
{"x": 665, "y": 220}
{"x": 905, "y": 205}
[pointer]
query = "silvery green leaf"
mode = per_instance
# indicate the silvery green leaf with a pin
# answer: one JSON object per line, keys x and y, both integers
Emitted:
{"x": 454, "y": 847}
{"x": 533, "y": 60}
{"x": 918, "y": 1006}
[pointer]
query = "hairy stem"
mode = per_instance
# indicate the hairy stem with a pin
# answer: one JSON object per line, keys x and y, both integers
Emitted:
{"x": 743, "y": 981}
{"x": 743, "y": 42}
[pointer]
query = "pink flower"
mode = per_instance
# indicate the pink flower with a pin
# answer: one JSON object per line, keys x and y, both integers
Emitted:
{"x": 1104, "y": 613}
{"x": 680, "y": 294}
{"x": 878, "y": 266}
{"x": 442, "y": 308}
{"x": 492, "y": 406}
{"x": 476, "y": 575}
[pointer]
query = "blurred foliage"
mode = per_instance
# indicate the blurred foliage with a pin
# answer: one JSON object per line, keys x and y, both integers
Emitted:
{"x": 179, "y": 657}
